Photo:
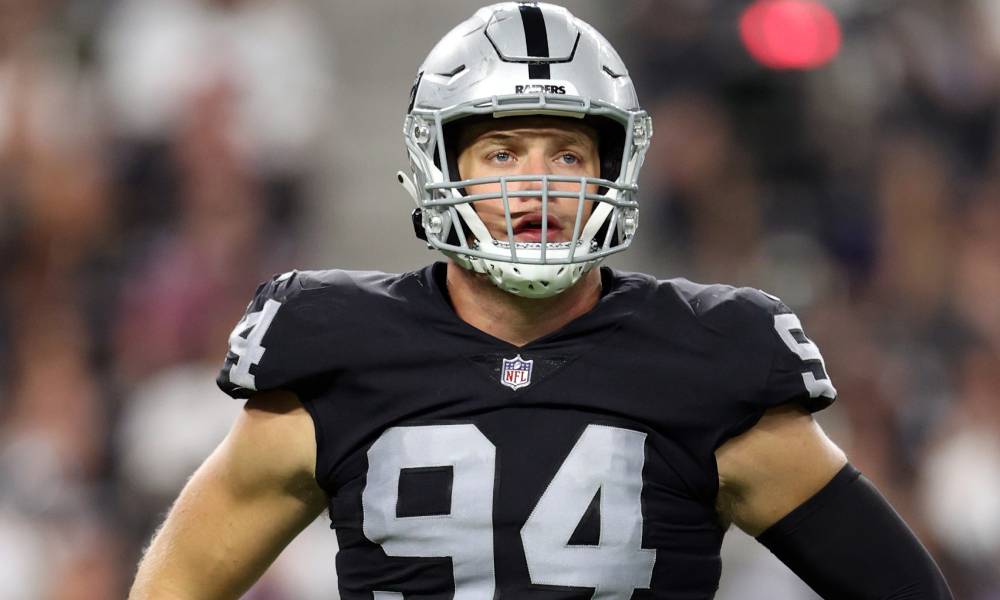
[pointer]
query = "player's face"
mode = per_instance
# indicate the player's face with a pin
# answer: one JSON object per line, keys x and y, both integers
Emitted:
{"x": 529, "y": 146}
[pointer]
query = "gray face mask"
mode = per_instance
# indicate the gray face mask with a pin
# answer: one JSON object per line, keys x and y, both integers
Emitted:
{"x": 525, "y": 59}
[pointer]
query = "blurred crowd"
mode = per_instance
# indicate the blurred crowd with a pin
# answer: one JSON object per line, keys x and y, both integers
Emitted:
{"x": 157, "y": 159}
{"x": 154, "y": 157}
{"x": 867, "y": 195}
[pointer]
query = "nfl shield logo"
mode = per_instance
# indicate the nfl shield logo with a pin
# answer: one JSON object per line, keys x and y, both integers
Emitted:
{"x": 516, "y": 372}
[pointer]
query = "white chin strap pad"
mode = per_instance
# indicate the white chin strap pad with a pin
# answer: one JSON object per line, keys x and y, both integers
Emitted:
{"x": 534, "y": 281}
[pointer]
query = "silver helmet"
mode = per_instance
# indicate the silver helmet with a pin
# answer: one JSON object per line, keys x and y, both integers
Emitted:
{"x": 516, "y": 59}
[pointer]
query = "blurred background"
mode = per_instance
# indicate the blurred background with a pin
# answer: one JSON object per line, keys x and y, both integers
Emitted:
{"x": 159, "y": 158}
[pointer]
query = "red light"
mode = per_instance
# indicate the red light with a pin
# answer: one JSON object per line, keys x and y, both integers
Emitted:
{"x": 790, "y": 34}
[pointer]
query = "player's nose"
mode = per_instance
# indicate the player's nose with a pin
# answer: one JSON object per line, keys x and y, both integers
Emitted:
{"x": 533, "y": 164}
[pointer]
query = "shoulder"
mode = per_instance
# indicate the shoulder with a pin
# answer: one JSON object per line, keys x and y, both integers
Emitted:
{"x": 331, "y": 283}
{"x": 761, "y": 323}
{"x": 720, "y": 306}
{"x": 323, "y": 298}
{"x": 301, "y": 324}
{"x": 744, "y": 315}
{"x": 708, "y": 299}
{"x": 747, "y": 333}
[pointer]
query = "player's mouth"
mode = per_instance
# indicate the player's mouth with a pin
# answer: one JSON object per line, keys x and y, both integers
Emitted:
{"x": 529, "y": 229}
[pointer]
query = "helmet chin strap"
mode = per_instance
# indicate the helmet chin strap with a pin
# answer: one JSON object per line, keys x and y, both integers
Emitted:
{"x": 408, "y": 185}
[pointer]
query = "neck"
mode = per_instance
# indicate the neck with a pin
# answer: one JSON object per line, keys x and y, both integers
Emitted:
{"x": 514, "y": 319}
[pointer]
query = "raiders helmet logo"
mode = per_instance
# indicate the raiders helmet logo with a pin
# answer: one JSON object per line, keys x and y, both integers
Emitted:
{"x": 539, "y": 88}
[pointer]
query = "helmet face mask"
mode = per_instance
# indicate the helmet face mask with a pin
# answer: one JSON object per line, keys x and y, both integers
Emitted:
{"x": 585, "y": 80}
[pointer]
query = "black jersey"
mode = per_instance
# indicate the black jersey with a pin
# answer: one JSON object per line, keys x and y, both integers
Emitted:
{"x": 580, "y": 465}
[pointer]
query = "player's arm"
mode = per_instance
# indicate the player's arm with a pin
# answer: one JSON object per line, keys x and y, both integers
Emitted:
{"x": 242, "y": 506}
{"x": 785, "y": 482}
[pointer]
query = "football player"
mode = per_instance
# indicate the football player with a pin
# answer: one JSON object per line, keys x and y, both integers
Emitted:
{"x": 517, "y": 421}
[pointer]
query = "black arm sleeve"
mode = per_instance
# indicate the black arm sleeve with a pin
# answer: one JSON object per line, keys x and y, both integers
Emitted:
{"x": 848, "y": 543}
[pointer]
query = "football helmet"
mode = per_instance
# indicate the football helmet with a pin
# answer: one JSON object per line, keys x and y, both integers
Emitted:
{"x": 518, "y": 59}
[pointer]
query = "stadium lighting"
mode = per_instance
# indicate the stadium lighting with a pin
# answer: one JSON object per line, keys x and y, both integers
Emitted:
{"x": 790, "y": 34}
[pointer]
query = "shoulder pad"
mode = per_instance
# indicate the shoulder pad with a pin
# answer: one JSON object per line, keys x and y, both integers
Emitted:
{"x": 285, "y": 336}
{"x": 763, "y": 323}
{"x": 717, "y": 305}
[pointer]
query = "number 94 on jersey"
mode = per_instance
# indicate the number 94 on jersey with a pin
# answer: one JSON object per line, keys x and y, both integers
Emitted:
{"x": 605, "y": 463}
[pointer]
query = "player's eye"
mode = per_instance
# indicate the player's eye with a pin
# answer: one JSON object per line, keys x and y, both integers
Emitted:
{"x": 501, "y": 156}
{"x": 568, "y": 158}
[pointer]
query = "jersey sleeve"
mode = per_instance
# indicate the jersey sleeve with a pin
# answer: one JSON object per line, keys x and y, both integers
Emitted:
{"x": 797, "y": 370}
{"x": 269, "y": 348}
